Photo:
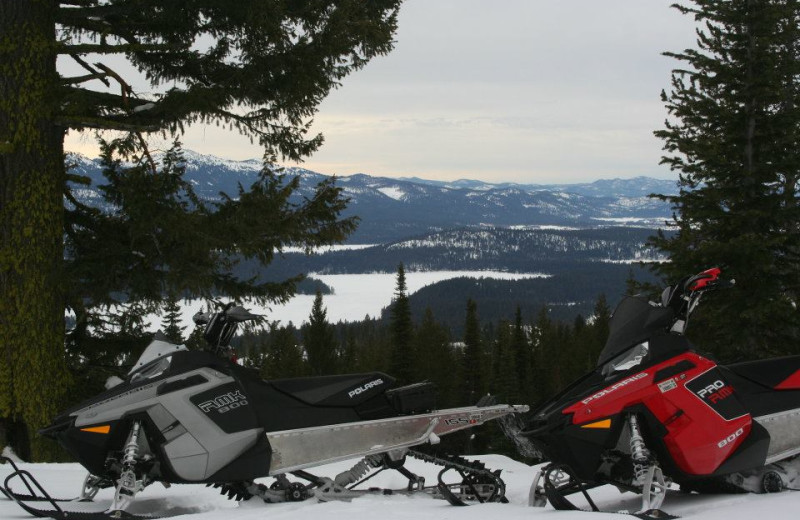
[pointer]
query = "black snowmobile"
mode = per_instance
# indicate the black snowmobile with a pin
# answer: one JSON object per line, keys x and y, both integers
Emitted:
{"x": 656, "y": 411}
{"x": 189, "y": 416}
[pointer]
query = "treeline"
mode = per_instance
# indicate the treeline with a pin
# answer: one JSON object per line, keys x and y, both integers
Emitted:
{"x": 565, "y": 294}
{"x": 517, "y": 250}
{"x": 521, "y": 359}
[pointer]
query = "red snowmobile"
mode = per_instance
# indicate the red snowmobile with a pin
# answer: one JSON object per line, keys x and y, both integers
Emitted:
{"x": 655, "y": 411}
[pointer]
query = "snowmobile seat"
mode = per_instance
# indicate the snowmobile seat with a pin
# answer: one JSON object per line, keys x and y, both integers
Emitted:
{"x": 778, "y": 373}
{"x": 415, "y": 398}
{"x": 348, "y": 390}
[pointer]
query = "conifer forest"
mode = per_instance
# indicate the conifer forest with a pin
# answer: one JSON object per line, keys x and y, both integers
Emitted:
{"x": 87, "y": 258}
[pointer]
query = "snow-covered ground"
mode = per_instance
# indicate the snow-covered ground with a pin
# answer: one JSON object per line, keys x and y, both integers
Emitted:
{"x": 330, "y": 249}
{"x": 198, "y": 502}
{"x": 355, "y": 295}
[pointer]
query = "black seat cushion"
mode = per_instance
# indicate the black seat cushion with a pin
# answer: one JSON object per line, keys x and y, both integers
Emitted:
{"x": 767, "y": 372}
{"x": 341, "y": 390}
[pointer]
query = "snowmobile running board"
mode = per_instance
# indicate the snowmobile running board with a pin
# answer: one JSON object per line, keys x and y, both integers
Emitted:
{"x": 303, "y": 448}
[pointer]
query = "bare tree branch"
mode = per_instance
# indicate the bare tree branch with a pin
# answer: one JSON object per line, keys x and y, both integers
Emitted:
{"x": 88, "y": 67}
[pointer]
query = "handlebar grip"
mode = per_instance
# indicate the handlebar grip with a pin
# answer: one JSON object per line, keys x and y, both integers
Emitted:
{"x": 705, "y": 280}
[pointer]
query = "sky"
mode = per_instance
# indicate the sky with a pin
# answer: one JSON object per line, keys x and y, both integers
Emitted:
{"x": 530, "y": 91}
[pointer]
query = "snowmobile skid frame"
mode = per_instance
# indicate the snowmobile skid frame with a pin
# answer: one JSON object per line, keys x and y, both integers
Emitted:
{"x": 478, "y": 485}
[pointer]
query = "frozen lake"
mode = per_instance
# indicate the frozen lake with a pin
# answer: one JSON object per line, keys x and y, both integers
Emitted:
{"x": 355, "y": 295}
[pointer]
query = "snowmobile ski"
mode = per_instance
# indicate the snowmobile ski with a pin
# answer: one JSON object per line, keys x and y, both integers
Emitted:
{"x": 79, "y": 509}
{"x": 555, "y": 482}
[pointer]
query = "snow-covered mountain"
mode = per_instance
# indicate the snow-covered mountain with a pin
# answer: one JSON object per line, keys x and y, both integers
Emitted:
{"x": 392, "y": 209}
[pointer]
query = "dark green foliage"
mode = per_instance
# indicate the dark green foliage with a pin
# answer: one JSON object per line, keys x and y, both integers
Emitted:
{"x": 475, "y": 371}
{"x": 520, "y": 361}
{"x": 170, "y": 324}
{"x": 505, "y": 375}
{"x": 436, "y": 359}
{"x": 401, "y": 358}
{"x": 276, "y": 60}
{"x": 522, "y": 357}
{"x": 260, "y": 68}
{"x": 282, "y": 355}
{"x": 161, "y": 238}
{"x": 319, "y": 340}
{"x": 732, "y": 136}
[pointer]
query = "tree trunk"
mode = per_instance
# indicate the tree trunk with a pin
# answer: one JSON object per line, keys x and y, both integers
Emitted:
{"x": 33, "y": 377}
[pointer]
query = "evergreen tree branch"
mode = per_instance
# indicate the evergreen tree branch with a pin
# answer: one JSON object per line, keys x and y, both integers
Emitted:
{"x": 122, "y": 48}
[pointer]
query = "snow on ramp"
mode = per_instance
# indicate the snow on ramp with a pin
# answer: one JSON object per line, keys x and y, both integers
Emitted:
{"x": 197, "y": 502}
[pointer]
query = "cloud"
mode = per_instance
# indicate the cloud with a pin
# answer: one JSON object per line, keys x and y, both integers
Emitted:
{"x": 523, "y": 90}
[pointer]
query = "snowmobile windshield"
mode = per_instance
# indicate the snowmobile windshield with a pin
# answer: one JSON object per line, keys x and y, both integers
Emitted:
{"x": 634, "y": 321}
{"x": 154, "y": 360}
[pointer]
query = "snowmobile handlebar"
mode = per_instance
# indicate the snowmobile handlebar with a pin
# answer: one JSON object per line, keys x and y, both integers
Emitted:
{"x": 706, "y": 281}
{"x": 684, "y": 296}
{"x": 221, "y": 326}
{"x": 230, "y": 311}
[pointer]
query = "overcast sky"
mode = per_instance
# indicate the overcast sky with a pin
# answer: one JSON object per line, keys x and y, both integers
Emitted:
{"x": 499, "y": 90}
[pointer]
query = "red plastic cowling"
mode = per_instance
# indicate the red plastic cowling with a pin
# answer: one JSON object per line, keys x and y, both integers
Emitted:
{"x": 790, "y": 383}
{"x": 698, "y": 438}
{"x": 705, "y": 278}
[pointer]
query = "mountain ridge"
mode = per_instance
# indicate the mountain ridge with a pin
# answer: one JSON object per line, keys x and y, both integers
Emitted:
{"x": 394, "y": 208}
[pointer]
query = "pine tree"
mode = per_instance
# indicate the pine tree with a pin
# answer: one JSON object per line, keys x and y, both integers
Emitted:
{"x": 401, "y": 360}
{"x": 319, "y": 341}
{"x": 732, "y": 135}
{"x": 262, "y": 69}
{"x": 546, "y": 369}
{"x": 504, "y": 382}
{"x": 283, "y": 356}
{"x": 475, "y": 371}
{"x": 432, "y": 344}
{"x": 522, "y": 356}
{"x": 171, "y": 324}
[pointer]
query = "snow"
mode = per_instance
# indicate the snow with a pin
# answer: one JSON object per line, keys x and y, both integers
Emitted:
{"x": 197, "y": 502}
{"x": 393, "y": 192}
{"x": 9, "y": 454}
{"x": 329, "y": 249}
{"x": 543, "y": 227}
{"x": 359, "y": 295}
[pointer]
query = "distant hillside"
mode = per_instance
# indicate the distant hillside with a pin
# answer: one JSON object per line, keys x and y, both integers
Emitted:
{"x": 565, "y": 294}
{"x": 395, "y": 209}
{"x": 554, "y": 252}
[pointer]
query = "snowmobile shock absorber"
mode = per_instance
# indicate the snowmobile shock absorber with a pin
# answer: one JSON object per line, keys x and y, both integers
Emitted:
{"x": 355, "y": 473}
{"x": 127, "y": 485}
{"x": 132, "y": 447}
{"x": 639, "y": 452}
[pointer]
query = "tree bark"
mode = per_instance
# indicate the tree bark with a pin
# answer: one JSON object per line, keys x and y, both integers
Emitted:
{"x": 33, "y": 377}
